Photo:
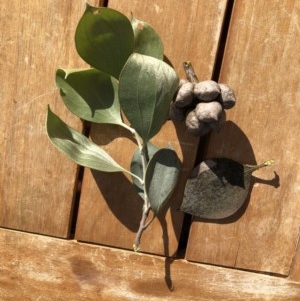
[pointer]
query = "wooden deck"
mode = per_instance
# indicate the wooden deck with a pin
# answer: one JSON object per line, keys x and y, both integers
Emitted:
{"x": 35, "y": 267}
{"x": 59, "y": 244}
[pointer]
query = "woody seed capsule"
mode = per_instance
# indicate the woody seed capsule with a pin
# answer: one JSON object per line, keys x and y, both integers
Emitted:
{"x": 185, "y": 95}
{"x": 195, "y": 126}
{"x": 207, "y": 90}
{"x": 208, "y": 111}
{"x": 217, "y": 125}
{"x": 227, "y": 97}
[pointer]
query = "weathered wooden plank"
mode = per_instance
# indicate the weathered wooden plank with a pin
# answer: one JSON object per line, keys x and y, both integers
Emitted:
{"x": 37, "y": 183}
{"x": 262, "y": 64}
{"x": 109, "y": 210}
{"x": 295, "y": 266}
{"x": 36, "y": 267}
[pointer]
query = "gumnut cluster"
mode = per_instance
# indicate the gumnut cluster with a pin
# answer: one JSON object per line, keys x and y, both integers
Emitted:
{"x": 202, "y": 104}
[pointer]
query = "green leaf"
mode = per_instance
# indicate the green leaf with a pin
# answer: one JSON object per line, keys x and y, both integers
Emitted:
{"x": 146, "y": 39}
{"x": 218, "y": 188}
{"x": 104, "y": 39}
{"x": 90, "y": 94}
{"x": 136, "y": 166}
{"x": 79, "y": 148}
{"x": 161, "y": 177}
{"x": 146, "y": 88}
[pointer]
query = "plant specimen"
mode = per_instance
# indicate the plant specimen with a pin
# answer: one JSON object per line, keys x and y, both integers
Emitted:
{"x": 128, "y": 77}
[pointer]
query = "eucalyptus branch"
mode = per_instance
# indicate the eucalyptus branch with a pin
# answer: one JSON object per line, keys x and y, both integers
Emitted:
{"x": 127, "y": 85}
{"x": 146, "y": 207}
{"x": 140, "y": 145}
{"x": 143, "y": 226}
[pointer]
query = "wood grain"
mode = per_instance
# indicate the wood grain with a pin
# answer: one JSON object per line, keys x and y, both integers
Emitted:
{"x": 295, "y": 266}
{"x": 37, "y": 182}
{"x": 262, "y": 65}
{"x": 36, "y": 267}
{"x": 110, "y": 211}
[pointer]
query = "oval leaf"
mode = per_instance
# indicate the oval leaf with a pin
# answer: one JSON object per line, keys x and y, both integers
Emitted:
{"x": 161, "y": 177}
{"x": 136, "y": 166}
{"x": 104, "y": 39}
{"x": 78, "y": 147}
{"x": 90, "y": 94}
{"x": 146, "y": 88}
{"x": 146, "y": 39}
{"x": 218, "y": 188}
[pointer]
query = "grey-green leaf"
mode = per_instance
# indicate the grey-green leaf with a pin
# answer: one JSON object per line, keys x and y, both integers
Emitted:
{"x": 79, "y": 148}
{"x": 146, "y": 88}
{"x": 90, "y": 94}
{"x": 161, "y": 177}
{"x": 146, "y": 39}
{"x": 136, "y": 166}
{"x": 218, "y": 188}
{"x": 104, "y": 39}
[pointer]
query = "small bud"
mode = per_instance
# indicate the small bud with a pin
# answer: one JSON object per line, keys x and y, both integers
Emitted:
{"x": 195, "y": 126}
{"x": 185, "y": 95}
{"x": 227, "y": 97}
{"x": 207, "y": 90}
{"x": 175, "y": 113}
{"x": 208, "y": 111}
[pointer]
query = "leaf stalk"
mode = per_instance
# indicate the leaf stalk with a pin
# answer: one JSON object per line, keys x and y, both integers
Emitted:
{"x": 146, "y": 207}
{"x": 251, "y": 168}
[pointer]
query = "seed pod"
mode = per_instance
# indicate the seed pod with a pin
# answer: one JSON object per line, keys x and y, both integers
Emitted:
{"x": 227, "y": 97}
{"x": 207, "y": 90}
{"x": 208, "y": 111}
{"x": 195, "y": 126}
{"x": 217, "y": 125}
{"x": 175, "y": 113}
{"x": 185, "y": 95}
